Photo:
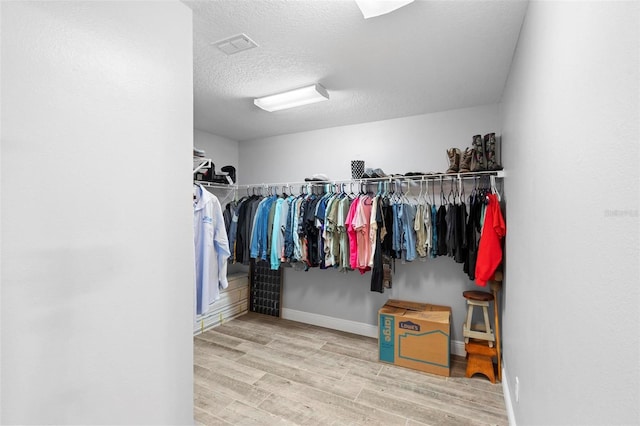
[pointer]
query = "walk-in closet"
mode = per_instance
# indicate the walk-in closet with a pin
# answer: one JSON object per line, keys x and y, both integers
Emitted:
{"x": 412, "y": 212}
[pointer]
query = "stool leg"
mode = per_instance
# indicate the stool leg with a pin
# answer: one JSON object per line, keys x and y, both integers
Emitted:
{"x": 467, "y": 326}
{"x": 495, "y": 287}
{"x": 480, "y": 364}
{"x": 487, "y": 324}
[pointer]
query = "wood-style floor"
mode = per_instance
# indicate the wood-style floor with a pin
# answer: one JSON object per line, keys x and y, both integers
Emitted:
{"x": 260, "y": 370}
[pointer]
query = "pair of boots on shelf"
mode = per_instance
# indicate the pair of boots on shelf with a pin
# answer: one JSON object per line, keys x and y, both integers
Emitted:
{"x": 480, "y": 157}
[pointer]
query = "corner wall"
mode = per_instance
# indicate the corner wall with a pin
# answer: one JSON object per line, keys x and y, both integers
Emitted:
{"x": 571, "y": 324}
{"x": 416, "y": 143}
{"x": 97, "y": 229}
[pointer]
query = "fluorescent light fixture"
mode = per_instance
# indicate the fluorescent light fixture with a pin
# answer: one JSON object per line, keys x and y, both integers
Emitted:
{"x": 373, "y": 8}
{"x": 293, "y": 98}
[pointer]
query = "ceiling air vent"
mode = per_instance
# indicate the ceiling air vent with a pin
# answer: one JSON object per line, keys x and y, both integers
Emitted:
{"x": 235, "y": 44}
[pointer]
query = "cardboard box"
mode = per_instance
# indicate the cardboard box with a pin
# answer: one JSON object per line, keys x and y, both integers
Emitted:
{"x": 415, "y": 335}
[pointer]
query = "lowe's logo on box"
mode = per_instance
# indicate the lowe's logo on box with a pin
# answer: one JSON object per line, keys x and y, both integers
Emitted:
{"x": 408, "y": 325}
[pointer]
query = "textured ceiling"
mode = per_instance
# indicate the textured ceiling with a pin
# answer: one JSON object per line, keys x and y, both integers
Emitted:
{"x": 425, "y": 57}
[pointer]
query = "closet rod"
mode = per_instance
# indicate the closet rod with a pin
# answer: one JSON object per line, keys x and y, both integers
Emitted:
{"x": 433, "y": 176}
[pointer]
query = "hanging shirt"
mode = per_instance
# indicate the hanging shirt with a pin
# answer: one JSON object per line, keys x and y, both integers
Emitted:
{"x": 351, "y": 232}
{"x": 451, "y": 222}
{"x": 377, "y": 267}
{"x": 301, "y": 230}
{"x": 331, "y": 247}
{"x": 472, "y": 234}
{"x": 421, "y": 231}
{"x": 388, "y": 233}
{"x": 434, "y": 231}
{"x": 362, "y": 223}
{"x": 311, "y": 232}
{"x": 345, "y": 254}
{"x": 490, "y": 248}
{"x": 460, "y": 253}
{"x": 428, "y": 227}
{"x": 270, "y": 221}
{"x": 246, "y": 217}
{"x": 397, "y": 230}
{"x": 211, "y": 249}
{"x": 320, "y": 219}
{"x": 373, "y": 230}
{"x": 442, "y": 230}
{"x": 259, "y": 237}
{"x": 233, "y": 228}
{"x": 284, "y": 213}
{"x": 288, "y": 232}
{"x": 295, "y": 229}
{"x": 277, "y": 243}
{"x": 408, "y": 233}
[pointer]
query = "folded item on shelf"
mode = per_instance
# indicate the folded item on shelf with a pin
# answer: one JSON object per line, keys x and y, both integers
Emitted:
{"x": 374, "y": 173}
{"x": 318, "y": 177}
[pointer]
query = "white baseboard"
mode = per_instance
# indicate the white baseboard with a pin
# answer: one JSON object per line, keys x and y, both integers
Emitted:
{"x": 363, "y": 329}
{"x": 354, "y": 327}
{"x": 457, "y": 348}
{"x": 507, "y": 396}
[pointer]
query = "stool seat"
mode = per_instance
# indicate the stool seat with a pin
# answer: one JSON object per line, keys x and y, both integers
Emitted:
{"x": 481, "y": 296}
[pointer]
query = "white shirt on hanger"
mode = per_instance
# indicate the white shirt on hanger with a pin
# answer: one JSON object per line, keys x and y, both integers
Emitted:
{"x": 211, "y": 248}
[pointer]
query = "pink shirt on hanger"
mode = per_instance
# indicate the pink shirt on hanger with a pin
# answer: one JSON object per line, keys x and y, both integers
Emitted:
{"x": 362, "y": 226}
{"x": 351, "y": 233}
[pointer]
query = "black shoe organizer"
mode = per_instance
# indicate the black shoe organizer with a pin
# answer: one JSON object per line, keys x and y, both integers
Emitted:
{"x": 266, "y": 289}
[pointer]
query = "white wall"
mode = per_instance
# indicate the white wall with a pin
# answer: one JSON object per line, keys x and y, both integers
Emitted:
{"x": 1, "y": 275}
{"x": 223, "y": 151}
{"x": 97, "y": 257}
{"x": 571, "y": 319}
{"x": 416, "y": 143}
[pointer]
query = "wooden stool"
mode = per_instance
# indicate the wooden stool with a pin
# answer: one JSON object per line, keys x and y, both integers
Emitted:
{"x": 482, "y": 299}
{"x": 480, "y": 359}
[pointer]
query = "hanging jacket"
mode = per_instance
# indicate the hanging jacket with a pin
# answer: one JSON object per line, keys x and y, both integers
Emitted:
{"x": 451, "y": 218}
{"x": 472, "y": 232}
{"x": 408, "y": 232}
{"x": 377, "y": 274}
{"x": 490, "y": 247}
{"x": 442, "y": 230}
{"x": 241, "y": 234}
{"x": 211, "y": 249}
{"x": 388, "y": 235}
{"x": 259, "y": 238}
{"x": 397, "y": 230}
{"x": 246, "y": 214}
{"x": 460, "y": 253}
{"x": 288, "y": 231}
{"x": 434, "y": 232}
{"x": 232, "y": 229}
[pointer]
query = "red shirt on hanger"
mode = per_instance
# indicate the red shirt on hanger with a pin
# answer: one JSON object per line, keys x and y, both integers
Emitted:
{"x": 490, "y": 247}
